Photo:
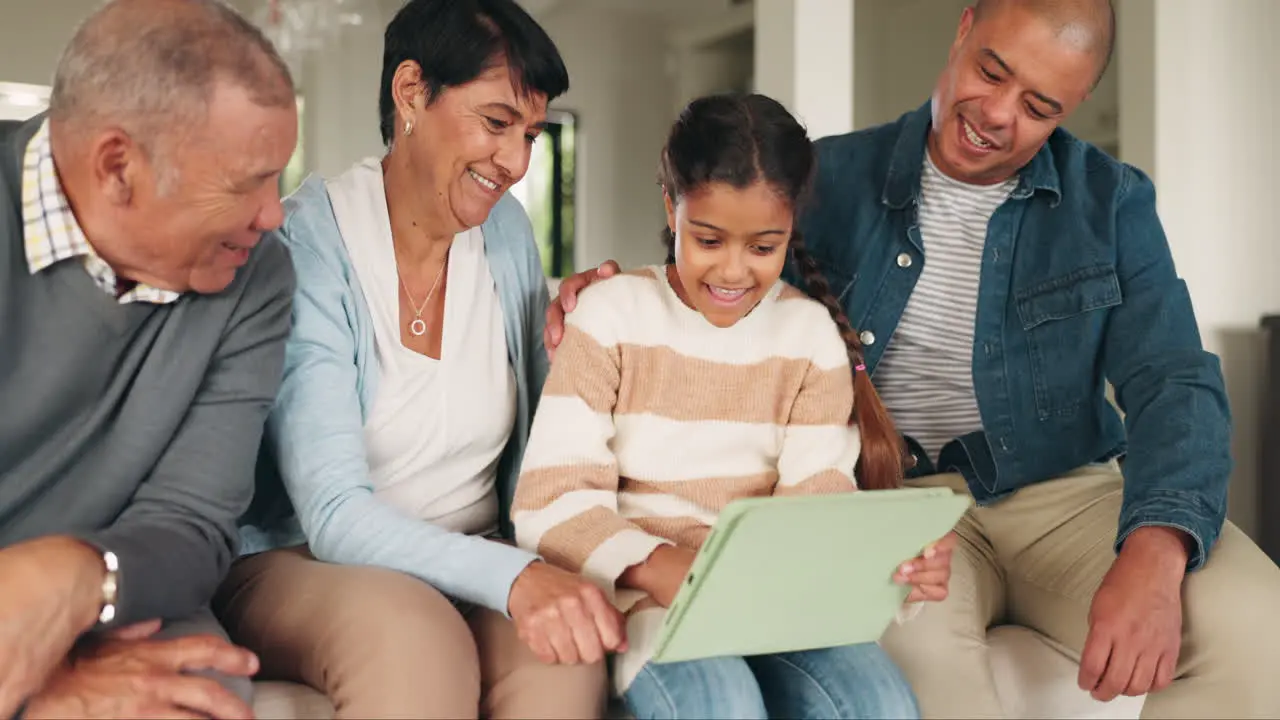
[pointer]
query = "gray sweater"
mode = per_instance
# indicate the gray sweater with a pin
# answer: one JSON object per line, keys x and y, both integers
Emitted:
{"x": 135, "y": 427}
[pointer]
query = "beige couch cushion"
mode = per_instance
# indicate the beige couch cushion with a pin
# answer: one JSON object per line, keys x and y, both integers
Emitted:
{"x": 1033, "y": 679}
{"x": 285, "y": 701}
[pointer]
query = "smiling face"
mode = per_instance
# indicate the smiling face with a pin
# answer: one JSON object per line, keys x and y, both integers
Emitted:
{"x": 731, "y": 245}
{"x": 1010, "y": 80}
{"x": 469, "y": 145}
{"x": 191, "y": 224}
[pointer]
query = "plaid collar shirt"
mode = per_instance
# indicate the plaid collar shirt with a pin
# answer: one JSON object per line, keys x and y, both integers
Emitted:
{"x": 51, "y": 233}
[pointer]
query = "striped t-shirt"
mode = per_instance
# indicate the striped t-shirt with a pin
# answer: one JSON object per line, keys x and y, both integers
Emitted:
{"x": 653, "y": 419}
{"x": 925, "y": 377}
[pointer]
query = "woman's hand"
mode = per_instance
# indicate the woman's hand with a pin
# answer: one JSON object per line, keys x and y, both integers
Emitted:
{"x": 662, "y": 574}
{"x": 564, "y": 618}
{"x": 930, "y": 572}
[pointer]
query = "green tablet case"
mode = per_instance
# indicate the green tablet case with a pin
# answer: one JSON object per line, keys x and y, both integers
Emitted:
{"x": 781, "y": 574}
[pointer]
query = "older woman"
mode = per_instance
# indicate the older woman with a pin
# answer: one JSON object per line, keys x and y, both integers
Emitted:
{"x": 414, "y": 366}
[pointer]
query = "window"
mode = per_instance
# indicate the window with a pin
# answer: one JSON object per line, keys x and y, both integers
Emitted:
{"x": 548, "y": 191}
{"x": 296, "y": 171}
{"x": 19, "y": 101}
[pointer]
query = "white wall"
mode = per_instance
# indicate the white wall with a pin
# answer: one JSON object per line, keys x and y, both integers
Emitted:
{"x": 623, "y": 100}
{"x": 1203, "y": 100}
{"x": 804, "y": 57}
{"x": 339, "y": 87}
{"x": 902, "y": 45}
{"x": 32, "y": 35}
{"x": 724, "y": 65}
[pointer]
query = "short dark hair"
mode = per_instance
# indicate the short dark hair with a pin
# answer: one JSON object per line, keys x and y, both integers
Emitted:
{"x": 454, "y": 41}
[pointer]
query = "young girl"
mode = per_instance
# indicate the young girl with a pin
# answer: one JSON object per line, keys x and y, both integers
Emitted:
{"x": 678, "y": 389}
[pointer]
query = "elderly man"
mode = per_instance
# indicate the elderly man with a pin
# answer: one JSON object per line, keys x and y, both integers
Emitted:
{"x": 142, "y": 324}
{"x": 1002, "y": 272}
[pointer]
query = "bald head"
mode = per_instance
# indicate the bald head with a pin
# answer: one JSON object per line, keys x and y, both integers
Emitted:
{"x": 150, "y": 67}
{"x": 1088, "y": 25}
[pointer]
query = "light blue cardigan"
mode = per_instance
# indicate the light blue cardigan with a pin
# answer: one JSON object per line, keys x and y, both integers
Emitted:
{"x": 313, "y": 456}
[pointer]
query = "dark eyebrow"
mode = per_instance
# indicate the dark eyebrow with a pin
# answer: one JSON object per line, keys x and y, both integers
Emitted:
{"x": 515, "y": 114}
{"x": 709, "y": 226}
{"x": 990, "y": 54}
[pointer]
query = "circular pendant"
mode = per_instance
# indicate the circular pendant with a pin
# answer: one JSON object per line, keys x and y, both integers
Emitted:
{"x": 417, "y": 327}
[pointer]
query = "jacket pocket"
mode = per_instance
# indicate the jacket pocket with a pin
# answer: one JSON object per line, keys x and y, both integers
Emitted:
{"x": 1064, "y": 332}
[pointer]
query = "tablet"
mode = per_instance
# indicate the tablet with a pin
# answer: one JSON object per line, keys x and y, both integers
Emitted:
{"x": 781, "y": 574}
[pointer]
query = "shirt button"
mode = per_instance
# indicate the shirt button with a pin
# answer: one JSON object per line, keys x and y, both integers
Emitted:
{"x": 867, "y": 337}
{"x": 904, "y": 260}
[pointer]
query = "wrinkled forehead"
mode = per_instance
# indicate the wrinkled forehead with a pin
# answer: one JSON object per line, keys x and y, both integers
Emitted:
{"x": 497, "y": 84}
{"x": 241, "y": 141}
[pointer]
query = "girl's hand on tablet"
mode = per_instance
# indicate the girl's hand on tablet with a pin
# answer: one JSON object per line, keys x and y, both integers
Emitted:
{"x": 930, "y": 573}
{"x": 661, "y": 574}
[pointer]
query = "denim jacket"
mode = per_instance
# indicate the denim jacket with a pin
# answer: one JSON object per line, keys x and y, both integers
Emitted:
{"x": 1078, "y": 289}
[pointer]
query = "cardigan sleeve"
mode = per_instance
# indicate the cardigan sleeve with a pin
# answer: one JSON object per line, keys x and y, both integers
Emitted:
{"x": 176, "y": 539}
{"x": 317, "y": 430}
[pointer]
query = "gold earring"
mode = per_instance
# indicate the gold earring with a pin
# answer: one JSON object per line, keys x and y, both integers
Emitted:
{"x": 408, "y": 128}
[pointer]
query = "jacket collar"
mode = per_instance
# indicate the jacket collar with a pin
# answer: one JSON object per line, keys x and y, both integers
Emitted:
{"x": 902, "y": 185}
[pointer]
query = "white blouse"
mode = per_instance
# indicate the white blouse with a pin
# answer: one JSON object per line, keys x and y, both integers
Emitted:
{"x": 437, "y": 428}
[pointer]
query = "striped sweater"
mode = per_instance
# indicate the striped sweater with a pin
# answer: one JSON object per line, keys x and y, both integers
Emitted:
{"x": 653, "y": 419}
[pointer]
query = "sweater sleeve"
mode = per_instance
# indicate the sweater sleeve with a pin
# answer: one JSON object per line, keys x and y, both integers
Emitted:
{"x": 819, "y": 445}
{"x": 318, "y": 432}
{"x": 176, "y": 539}
{"x": 566, "y": 501}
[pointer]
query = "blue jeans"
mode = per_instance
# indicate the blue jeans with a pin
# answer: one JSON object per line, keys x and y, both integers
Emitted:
{"x": 853, "y": 681}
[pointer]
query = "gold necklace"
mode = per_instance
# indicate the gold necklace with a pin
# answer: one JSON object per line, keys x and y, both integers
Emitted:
{"x": 418, "y": 326}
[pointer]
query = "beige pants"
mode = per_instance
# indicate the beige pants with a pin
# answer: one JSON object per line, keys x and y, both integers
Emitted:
{"x": 381, "y": 644}
{"x": 1036, "y": 558}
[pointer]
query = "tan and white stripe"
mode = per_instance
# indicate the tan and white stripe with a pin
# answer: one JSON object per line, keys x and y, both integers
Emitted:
{"x": 653, "y": 420}
{"x": 642, "y": 311}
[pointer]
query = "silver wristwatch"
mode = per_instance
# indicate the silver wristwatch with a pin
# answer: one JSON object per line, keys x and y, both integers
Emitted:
{"x": 110, "y": 587}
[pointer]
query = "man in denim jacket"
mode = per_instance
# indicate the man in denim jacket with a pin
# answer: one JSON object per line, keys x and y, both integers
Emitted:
{"x": 1002, "y": 273}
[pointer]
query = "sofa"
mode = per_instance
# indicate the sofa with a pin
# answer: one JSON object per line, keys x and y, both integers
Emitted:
{"x": 1033, "y": 679}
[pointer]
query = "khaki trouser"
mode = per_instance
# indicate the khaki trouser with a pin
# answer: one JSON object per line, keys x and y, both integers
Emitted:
{"x": 1036, "y": 558}
{"x": 381, "y": 644}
